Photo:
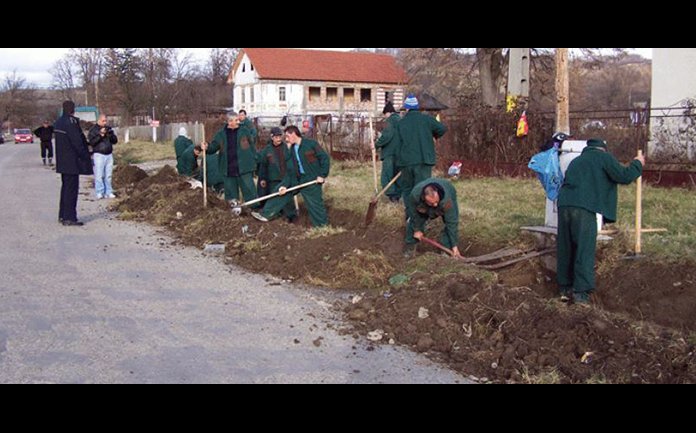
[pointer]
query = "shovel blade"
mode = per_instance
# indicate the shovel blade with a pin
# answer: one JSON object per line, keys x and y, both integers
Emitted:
{"x": 371, "y": 213}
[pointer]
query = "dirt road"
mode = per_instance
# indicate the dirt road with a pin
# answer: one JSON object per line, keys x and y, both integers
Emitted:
{"x": 116, "y": 302}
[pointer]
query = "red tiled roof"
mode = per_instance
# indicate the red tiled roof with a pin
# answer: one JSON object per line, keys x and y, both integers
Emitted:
{"x": 317, "y": 65}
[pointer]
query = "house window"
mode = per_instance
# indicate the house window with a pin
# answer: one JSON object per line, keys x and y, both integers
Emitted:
{"x": 349, "y": 96}
{"x": 331, "y": 94}
{"x": 243, "y": 67}
{"x": 281, "y": 94}
{"x": 314, "y": 94}
{"x": 251, "y": 94}
{"x": 252, "y": 66}
{"x": 365, "y": 95}
{"x": 243, "y": 95}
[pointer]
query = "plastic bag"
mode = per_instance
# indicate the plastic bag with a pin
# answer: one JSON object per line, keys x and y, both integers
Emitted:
{"x": 455, "y": 169}
{"x": 547, "y": 166}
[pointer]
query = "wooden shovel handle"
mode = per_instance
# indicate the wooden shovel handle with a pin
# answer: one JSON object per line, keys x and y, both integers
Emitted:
{"x": 386, "y": 188}
{"x": 437, "y": 245}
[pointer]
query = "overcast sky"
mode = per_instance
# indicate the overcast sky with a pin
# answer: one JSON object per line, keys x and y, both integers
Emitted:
{"x": 33, "y": 64}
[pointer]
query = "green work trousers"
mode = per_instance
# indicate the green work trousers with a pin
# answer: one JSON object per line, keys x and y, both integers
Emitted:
{"x": 576, "y": 247}
{"x": 413, "y": 175}
{"x": 244, "y": 182}
{"x": 388, "y": 172}
{"x": 313, "y": 198}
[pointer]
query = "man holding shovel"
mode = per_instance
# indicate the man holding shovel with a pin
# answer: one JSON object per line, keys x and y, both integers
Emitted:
{"x": 431, "y": 199}
{"x": 309, "y": 163}
{"x": 274, "y": 161}
{"x": 237, "y": 159}
{"x": 388, "y": 143}
{"x": 589, "y": 188}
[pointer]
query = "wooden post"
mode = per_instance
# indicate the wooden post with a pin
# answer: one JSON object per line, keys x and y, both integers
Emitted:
{"x": 562, "y": 91}
{"x": 639, "y": 210}
{"x": 205, "y": 172}
{"x": 374, "y": 155}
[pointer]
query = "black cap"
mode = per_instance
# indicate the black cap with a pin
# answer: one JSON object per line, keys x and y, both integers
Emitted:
{"x": 276, "y": 131}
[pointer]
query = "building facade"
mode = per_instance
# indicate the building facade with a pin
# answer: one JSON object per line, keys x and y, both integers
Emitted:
{"x": 277, "y": 82}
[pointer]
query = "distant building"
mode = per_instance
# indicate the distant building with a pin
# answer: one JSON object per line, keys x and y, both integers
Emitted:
{"x": 673, "y": 124}
{"x": 274, "y": 82}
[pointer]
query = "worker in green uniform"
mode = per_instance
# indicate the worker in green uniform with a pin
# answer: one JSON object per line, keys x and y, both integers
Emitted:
{"x": 589, "y": 188}
{"x": 181, "y": 144}
{"x": 246, "y": 123}
{"x": 430, "y": 199}
{"x": 237, "y": 159}
{"x": 274, "y": 161}
{"x": 309, "y": 163}
{"x": 388, "y": 144}
{"x": 416, "y": 156}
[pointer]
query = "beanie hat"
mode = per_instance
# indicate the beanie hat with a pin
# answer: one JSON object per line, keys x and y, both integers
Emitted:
{"x": 183, "y": 132}
{"x": 595, "y": 142}
{"x": 389, "y": 108}
{"x": 411, "y": 102}
{"x": 276, "y": 132}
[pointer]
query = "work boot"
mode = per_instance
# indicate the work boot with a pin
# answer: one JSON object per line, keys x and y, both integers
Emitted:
{"x": 259, "y": 217}
{"x": 582, "y": 298}
{"x": 566, "y": 294}
{"x": 50, "y": 162}
{"x": 73, "y": 223}
{"x": 409, "y": 251}
{"x": 44, "y": 161}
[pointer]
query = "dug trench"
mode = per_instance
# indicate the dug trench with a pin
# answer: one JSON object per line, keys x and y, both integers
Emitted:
{"x": 504, "y": 327}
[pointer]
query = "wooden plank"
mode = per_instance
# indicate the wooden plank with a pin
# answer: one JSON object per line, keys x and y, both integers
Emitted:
{"x": 496, "y": 255}
{"x": 517, "y": 260}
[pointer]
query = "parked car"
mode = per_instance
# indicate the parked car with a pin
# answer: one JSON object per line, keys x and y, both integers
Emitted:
{"x": 23, "y": 136}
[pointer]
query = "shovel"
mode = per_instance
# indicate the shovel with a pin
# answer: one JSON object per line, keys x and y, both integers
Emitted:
{"x": 372, "y": 209}
{"x": 237, "y": 209}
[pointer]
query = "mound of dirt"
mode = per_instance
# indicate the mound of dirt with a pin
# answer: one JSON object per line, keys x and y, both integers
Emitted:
{"x": 127, "y": 176}
{"x": 506, "y": 327}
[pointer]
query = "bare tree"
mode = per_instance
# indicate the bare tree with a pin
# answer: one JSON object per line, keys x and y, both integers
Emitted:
{"x": 17, "y": 101}
{"x": 89, "y": 63}
{"x": 63, "y": 78}
{"x": 220, "y": 64}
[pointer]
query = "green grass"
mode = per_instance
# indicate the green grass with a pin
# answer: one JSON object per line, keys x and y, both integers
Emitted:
{"x": 492, "y": 210}
{"x": 137, "y": 152}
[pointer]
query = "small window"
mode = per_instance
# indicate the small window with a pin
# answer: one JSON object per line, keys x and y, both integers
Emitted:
{"x": 252, "y": 94}
{"x": 243, "y": 67}
{"x": 349, "y": 96}
{"x": 365, "y": 95}
{"x": 281, "y": 94}
{"x": 331, "y": 94}
{"x": 252, "y": 66}
{"x": 314, "y": 94}
{"x": 243, "y": 95}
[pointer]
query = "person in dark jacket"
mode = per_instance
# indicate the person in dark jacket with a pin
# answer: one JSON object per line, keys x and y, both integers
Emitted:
{"x": 45, "y": 134}
{"x": 309, "y": 163}
{"x": 589, "y": 188}
{"x": 416, "y": 157}
{"x": 388, "y": 144}
{"x": 237, "y": 159}
{"x": 431, "y": 199}
{"x": 72, "y": 160}
{"x": 274, "y": 161}
{"x": 102, "y": 139}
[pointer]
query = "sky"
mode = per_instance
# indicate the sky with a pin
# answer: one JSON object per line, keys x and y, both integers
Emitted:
{"x": 33, "y": 64}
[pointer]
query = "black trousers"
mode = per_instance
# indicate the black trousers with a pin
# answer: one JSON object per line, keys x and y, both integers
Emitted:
{"x": 68, "y": 197}
{"x": 46, "y": 148}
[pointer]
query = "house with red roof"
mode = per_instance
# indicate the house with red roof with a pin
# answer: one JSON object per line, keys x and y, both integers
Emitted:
{"x": 274, "y": 82}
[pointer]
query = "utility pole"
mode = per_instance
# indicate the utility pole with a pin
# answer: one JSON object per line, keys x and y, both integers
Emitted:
{"x": 518, "y": 73}
{"x": 562, "y": 91}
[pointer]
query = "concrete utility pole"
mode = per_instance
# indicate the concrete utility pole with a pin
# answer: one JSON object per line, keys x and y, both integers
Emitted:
{"x": 562, "y": 91}
{"x": 518, "y": 72}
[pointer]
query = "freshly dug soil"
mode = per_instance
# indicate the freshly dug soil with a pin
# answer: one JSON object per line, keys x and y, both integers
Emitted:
{"x": 504, "y": 327}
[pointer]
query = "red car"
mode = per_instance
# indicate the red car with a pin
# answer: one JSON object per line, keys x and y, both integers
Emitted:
{"x": 23, "y": 136}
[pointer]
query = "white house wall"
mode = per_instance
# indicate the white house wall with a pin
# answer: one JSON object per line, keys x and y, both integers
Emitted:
{"x": 673, "y": 85}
